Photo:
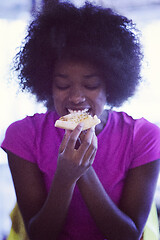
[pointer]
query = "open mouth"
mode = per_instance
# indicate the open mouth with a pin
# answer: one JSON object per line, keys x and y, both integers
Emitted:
{"x": 71, "y": 111}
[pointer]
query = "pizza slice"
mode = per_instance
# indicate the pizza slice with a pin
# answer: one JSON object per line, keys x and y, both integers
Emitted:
{"x": 71, "y": 120}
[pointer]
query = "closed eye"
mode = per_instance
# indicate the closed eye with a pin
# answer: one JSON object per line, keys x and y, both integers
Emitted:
{"x": 62, "y": 87}
{"x": 92, "y": 87}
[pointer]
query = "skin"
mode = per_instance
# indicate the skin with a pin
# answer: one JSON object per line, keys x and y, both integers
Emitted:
{"x": 77, "y": 87}
{"x": 74, "y": 166}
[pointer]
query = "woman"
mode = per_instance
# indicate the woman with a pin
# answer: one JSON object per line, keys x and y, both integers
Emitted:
{"x": 82, "y": 58}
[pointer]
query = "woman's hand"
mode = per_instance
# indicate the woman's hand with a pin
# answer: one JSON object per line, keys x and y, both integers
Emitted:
{"x": 72, "y": 162}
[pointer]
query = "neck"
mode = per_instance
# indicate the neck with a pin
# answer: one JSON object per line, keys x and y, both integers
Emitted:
{"x": 103, "y": 118}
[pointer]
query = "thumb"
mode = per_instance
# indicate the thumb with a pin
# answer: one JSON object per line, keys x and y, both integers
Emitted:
{"x": 64, "y": 141}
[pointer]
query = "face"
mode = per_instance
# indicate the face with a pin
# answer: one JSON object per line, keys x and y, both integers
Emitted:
{"x": 78, "y": 86}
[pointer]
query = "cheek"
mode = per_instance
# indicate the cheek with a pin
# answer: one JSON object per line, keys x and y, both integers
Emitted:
{"x": 59, "y": 99}
{"x": 101, "y": 101}
{"x": 101, "y": 97}
{"x": 56, "y": 93}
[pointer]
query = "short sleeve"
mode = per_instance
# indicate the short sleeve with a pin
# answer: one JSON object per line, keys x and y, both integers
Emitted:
{"x": 146, "y": 143}
{"x": 20, "y": 139}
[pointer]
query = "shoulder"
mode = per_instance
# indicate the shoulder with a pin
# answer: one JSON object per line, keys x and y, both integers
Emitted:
{"x": 144, "y": 128}
{"x": 142, "y": 135}
{"x": 30, "y": 128}
{"x": 31, "y": 123}
{"x": 121, "y": 121}
{"x": 25, "y": 134}
{"x": 146, "y": 134}
{"x": 146, "y": 142}
{"x": 121, "y": 118}
{"x": 139, "y": 126}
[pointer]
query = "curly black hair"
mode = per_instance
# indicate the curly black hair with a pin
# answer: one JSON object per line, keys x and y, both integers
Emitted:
{"x": 91, "y": 33}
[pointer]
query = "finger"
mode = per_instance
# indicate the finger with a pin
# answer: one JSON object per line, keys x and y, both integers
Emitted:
{"x": 64, "y": 140}
{"x": 82, "y": 135}
{"x": 74, "y": 137}
{"x": 91, "y": 152}
{"x": 86, "y": 143}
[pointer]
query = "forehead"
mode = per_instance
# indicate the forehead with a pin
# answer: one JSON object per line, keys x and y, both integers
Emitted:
{"x": 75, "y": 67}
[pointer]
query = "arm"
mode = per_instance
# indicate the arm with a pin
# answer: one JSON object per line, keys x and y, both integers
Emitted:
{"x": 127, "y": 221}
{"x": 36, "y": 206}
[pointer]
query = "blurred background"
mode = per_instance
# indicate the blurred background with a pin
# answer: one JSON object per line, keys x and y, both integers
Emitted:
{"x": 15, "y": 15}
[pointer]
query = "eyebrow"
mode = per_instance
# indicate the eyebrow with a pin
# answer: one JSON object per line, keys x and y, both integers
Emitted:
{"x": 87, "y": 76}
{"x": 91, "y": 75}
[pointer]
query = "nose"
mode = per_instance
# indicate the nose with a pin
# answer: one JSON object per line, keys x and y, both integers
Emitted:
{"x": 76, "y": 96}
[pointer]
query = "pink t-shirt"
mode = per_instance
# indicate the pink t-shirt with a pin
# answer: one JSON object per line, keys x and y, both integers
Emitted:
{"x": 123, "y": 144}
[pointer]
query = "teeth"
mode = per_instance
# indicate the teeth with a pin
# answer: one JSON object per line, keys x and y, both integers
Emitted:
{"x": 78, "y": 111}
{"x": 85, "y": 110}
